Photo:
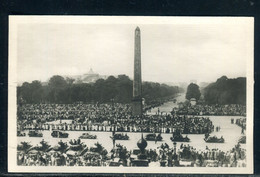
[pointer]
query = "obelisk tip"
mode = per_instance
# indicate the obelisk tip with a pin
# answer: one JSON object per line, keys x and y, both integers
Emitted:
{"x": 137, "y": 28}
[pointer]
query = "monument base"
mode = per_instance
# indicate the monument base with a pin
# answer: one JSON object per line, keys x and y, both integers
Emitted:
{"x": 137, "y": 108}
{"x": 140, "y": 163}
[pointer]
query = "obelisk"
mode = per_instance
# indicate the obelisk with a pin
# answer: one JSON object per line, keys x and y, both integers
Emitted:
{"x": 137, "y": 83}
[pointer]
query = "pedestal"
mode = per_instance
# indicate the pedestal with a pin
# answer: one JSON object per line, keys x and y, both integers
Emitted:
{"x": 137, "y": 107}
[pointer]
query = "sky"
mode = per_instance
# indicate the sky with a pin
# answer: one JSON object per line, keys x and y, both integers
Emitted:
{"x": 178, "y": 52}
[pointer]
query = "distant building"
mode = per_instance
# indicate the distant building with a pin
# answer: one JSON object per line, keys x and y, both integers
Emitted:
{"x": 193, "y": 81}
{"x": 193, "y": 101}
{"x": 89, "y": 77}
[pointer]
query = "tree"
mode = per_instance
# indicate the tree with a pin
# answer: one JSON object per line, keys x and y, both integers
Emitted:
{"x": 62, "y": 146}
{"x": 119, "y": 89}
{"x": 57, "y": 84}
{"x": 69, "y": 80}
{"x": 226, "y": 91}
{"x": 124, "y": 89}
{"x": 44, "y": 146}
{"x": 30, "y": 92}
{"x": 36, "y": 91}
{"x": 25, "y": 92}
{"x": 193, "y": 92}
{"x": 25, "y": 146}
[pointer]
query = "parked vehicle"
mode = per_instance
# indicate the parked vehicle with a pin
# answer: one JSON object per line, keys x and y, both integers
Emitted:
{"x": 59, "y": 134}
{"x": 19, "y": 133}
{"x": 213, "y": 139}
{"x": 120, "y": 136}
{"x": 88, "y": 136}
{"x": 153, "y": 137}
{"x": 179, "y": 138}
{"x": 34, "y": 133}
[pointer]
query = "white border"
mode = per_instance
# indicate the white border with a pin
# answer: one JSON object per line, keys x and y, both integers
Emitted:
{"x": 14, "y": 21}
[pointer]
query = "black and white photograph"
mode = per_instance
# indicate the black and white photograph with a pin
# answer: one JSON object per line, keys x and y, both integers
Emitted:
{"x": 113, "y": 94}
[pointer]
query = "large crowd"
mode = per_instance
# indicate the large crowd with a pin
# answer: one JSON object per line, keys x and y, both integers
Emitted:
{"x": 117, "y": 117}
{"x": 119, "y": 155}
{"x": 188, "y": 156}
{"x": 106, "y": 117}
{"x": 77, "y": 112}
{"x": 214, "y": 110}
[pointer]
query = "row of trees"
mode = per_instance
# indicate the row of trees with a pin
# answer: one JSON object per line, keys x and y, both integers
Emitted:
{"x": 61, "y": 90}
{"x": 226, "y": 91}
{"x": 223, "y": 91}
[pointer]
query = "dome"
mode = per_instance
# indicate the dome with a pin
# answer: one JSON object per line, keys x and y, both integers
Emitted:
{"x": 142, "y": 144}
{"x": 91, "y": 72}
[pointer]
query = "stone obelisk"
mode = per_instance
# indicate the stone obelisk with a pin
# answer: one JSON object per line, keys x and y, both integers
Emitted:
{"x": 137, "y": 83}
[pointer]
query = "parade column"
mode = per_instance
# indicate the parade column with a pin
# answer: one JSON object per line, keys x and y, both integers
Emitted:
{"x": 137, "y": 83}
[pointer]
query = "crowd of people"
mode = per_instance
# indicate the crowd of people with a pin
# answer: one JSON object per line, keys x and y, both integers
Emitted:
{"x": 214, "y": 110}
{"x": 78, "y": 112}
{"x": 117, "y": 117}
{"x": 58, "y": 156}
{"x": 188, "y": 156}
{"x": 106, "y": 117}
{"x": 119, "y": 155}
{"x": 241, "y": 122}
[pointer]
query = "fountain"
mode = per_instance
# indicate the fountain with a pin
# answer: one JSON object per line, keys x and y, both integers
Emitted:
{"x": 141, "y": 160}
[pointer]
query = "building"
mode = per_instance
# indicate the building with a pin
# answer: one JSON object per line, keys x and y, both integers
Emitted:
{"x": 90, "y": 76}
